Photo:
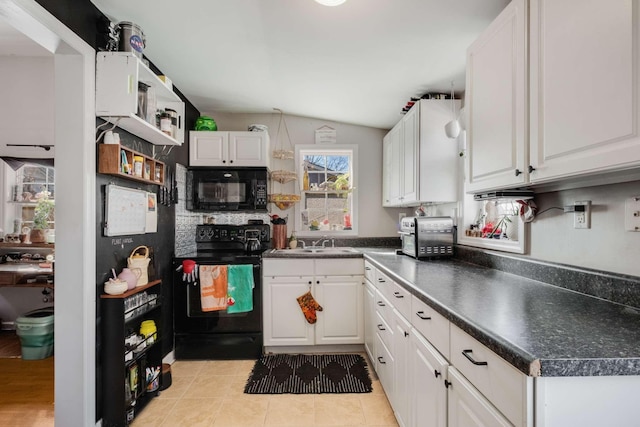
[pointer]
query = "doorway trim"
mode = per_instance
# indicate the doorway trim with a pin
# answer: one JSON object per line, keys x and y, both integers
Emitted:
{"x": 75, "y": 160}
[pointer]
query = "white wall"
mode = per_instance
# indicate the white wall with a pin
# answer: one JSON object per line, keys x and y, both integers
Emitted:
{"x": 374, "y": 220}
{"x": 26, "y": 117}
{"x": 605, "y": 246}
{"x": 26, "y": 110}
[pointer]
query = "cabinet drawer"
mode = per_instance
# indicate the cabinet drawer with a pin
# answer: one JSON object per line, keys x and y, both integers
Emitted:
{"x": 431, "y": 324}
{"x": 384, "y": 284}
{"x": 401, "y": 300}
{"x": 338, "y": 267}
{"x": 369, "y": 272}
{"x": 384, "y": 330}
{"x": 497, "y": 380}
{"x": 287, "y": 267}
{"x": 384, "y": 307}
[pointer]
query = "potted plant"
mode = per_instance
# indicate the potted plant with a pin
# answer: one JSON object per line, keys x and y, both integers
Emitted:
{"x": 42, "y": 214}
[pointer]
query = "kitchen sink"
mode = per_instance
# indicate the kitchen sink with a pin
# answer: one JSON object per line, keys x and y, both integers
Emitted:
{"x": 318, "y": 251}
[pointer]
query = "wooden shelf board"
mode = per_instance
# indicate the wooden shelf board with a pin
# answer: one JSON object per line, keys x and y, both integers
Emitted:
{"x": 132, "y": 291}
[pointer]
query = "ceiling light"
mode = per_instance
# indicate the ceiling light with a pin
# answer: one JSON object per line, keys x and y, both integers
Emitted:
{"x": 331, "y": 2}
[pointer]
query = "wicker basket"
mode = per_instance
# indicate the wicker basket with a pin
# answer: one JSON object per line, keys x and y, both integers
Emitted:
{"x": 141, "y": 263}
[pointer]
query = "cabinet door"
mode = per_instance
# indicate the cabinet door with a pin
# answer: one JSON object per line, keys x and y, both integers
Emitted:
{"x": 439, "y": 164}
{"x": 428, "y": 393}
{"x": 409, "y": 155}
{"x": 341, "y": 320}
{"x": 248, "y": 148}
{"x": 496, "y": 103}
{"x": 284, "y": 323}
{"x": 384, "y": 368}
{"x": 391, "y": 177}
{"x": 402, "y": 374}
{"x": 369, "y": 318}
{"x": 469, "y": 408}
{"x": 577, "y": 47}
{"x": 208, "y": 148}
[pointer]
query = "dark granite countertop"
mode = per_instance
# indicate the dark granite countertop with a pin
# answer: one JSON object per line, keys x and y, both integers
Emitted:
{"x": 541, "y": 329}
{"x": 288, "y": 253}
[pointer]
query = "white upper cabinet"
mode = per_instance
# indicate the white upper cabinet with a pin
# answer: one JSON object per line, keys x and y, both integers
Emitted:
{"x": 585, "y": 92}
{"x": 120, "y": 77}
{"x": 390, "y": 168}
{"x": 496, "y": 102}
{"x": 409, "y": 155}
{"x": 420, "y": 164}
{"x": 228, "y": 148}
{"x": 581, "y": 114}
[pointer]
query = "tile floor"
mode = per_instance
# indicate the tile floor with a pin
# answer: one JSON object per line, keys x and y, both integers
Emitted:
{"x": 211, "y": 394}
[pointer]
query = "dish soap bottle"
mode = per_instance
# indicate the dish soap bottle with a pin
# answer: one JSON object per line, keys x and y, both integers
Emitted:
{"x": 305, "y": 180}
{"x": 293, "y": 241}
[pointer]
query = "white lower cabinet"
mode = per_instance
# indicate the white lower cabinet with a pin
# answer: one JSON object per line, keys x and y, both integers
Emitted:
{"x": 384, "y": 367}
{"x": 428, "y": 394}
{"x": 402, "y": 373}
{"x": 435, "y": 374}
{"x": 284, "y": 323}
{"x": 507, "y": 388}
{"x": 336, "y": 284}
{"x": 369, "y": 315}
{"x": 341, "y": 298}
{"x": 467, "y": 407}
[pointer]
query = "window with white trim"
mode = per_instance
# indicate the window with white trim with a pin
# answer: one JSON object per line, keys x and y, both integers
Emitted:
{"x": 33, "y": 183}
{"x": 327, "y": 177}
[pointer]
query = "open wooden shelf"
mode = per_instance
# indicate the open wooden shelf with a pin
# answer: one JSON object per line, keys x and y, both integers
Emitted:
{"x": 110, "y": 162}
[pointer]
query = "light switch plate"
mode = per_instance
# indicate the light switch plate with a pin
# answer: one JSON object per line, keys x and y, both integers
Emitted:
{"x": 632, "y": 214}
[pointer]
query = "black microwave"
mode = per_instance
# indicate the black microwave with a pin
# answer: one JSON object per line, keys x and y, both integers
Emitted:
{"x": 226, "y": 189}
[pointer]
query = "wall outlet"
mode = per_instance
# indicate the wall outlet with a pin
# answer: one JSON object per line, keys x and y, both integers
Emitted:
{"x": 632, "y": 214}
{"x": 582, "y": 219}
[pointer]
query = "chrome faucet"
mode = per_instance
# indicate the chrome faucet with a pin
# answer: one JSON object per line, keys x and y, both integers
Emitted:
{"x": 322, "y": 240}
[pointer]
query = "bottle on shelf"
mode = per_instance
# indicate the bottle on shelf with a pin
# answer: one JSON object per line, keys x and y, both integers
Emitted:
{"x": 305, "y": 180}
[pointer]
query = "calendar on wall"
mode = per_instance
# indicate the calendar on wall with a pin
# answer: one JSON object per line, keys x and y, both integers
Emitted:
{"x": 125, "y": 211}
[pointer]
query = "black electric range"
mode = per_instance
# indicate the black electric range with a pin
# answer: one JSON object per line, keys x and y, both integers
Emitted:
{"x": 219, "y": 334}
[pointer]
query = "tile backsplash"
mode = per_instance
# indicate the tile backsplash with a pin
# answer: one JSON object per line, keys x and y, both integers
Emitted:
{"x": 186, "y": 221}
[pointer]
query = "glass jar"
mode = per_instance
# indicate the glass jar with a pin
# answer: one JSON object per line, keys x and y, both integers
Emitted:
{"x": 165, "y": 123}
{"x": 138, "y": 162}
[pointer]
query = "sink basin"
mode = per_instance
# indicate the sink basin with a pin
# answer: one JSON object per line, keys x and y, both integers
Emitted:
{"x": 318, "y": 251}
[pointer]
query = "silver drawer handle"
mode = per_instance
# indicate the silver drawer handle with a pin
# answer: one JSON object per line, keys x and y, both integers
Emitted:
{"x": 381, "y": 360}
{"x": 381, "y": 304}
{"x": 380, "y": 327}
{"x": 397, "y": 295}
{"x": 381, "y": 280}
{"x": 466, "y": 353}
{"x": 420, "y": 315}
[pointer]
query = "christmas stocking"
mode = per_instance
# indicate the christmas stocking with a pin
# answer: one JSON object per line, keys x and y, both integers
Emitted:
{"x": 309, "y": 307}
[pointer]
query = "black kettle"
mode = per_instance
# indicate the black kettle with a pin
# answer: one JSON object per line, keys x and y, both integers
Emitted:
{"x": 253, "y": 245}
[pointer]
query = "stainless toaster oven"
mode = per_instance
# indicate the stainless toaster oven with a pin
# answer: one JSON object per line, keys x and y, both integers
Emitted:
{"x": 427, "y": 236}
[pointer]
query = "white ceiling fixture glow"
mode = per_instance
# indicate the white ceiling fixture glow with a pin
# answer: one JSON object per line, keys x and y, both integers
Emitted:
{"x": 331, "y": 2}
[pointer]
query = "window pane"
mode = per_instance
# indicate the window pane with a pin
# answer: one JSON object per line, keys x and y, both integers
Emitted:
{"x": 338, "y": 163}
{"x": 327, "y": 206}
{"x": 34, "y": 180}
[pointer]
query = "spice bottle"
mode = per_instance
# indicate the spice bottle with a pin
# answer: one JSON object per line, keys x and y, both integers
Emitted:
{"x": 137, "y": 165}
